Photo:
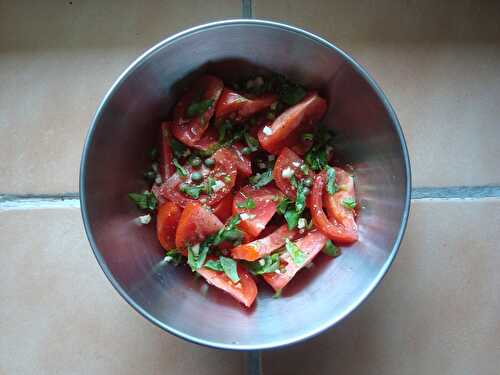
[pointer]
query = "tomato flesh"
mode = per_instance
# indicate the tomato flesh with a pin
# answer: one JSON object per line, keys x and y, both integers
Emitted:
{"x": 166, "y": 224}
{"x": 195, "y": 224}
{"x": 242, "y": 162}
{"x": 291, "y": 123}
{"x": 223, "y": 171}
{"x": 334, "y": 203}
{"x": 254, "y": 220}
{"x": 288, "y": 160}
{"x": 331, "y": 228}
{"x": 243, "y": 291}
{"x": 223, "y": 210}
{"x": 235, "y": 106}
{"x": 264, "y": 246}
{"x": 190, "y": 129}
{"x": 166, "y": 166}
{"x": 310, "y": 245}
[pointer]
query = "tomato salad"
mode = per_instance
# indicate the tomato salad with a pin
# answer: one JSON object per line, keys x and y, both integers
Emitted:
{"x": 243, "y": 184}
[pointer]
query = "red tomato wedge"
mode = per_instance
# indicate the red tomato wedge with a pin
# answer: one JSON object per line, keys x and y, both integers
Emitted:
{"x": 235, "y": 106}
{"x": 331, "y": 228}
{"x": 243, "y": 291}
{"x": 291, "y": 123}
{"x": 333, "y": 203}
{"x": 310, "y": 245}
{"x": 208, "y": 140}
{"x": 288, "y": 160}
{"x": 224, "y": 171}
{"x": 242, "y": 162}
{"x": 223, "y": 210}
{"x": 264, "y": 246}
{"x": 189, "y": 127}
{"x": 166, "y": 224}
{"x": 195, "y": 224}
{"x": 166, "y": 166}
{"x": 254, "y": 220}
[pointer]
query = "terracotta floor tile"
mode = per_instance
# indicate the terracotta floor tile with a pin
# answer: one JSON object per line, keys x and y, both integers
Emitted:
{"x": 439, "y": 64}
{"x": 60, "y": 315}
{"x": 57, "y": 60}
{"x": 436, "y": 312}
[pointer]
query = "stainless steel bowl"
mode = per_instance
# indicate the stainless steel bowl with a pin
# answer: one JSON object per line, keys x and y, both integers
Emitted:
{"x": 126, "y": 126}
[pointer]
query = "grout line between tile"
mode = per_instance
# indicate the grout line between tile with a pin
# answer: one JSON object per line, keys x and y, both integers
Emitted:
{"x": 71, "y": 200}
{"x": 246, "y": 8}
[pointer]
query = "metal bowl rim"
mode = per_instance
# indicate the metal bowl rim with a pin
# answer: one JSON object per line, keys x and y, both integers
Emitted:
{"x": 221, "y": 24}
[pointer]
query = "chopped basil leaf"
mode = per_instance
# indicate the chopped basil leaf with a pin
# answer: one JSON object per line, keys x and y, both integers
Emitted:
{"x": 145, "y": 201}
{"x": 214, "y": 265}
{"x": 262, "y": 179}
{"x": 197, "y": 255}
{"x": 228, "y": 232}
{"x": 209, "y": 185}
{"x": 292, "y": 218}
{"x": 224, "y": 129}
{"x": 349, "y": 203}
{"x": 294, "y": 182}
{"x": 198, "y": 108}
{"x": 267, "y": 264}
{"x": 300, "y": 201}
{"x": 180, "y": 169}
{"x": 174, "y": 257}
{"x": 331, "y": 188}
{"x": 331, "y": 250}
{"x": 249, "y": 203}
{"x": 251, "y": 142}
{"x": 316, "y": 158}
{"x": 308, "y": 136}
{"x": 230, "y": 268}
{"x": 178, "y": 148}
{"x": 298, "y": 257}
{"x": 283, "y": 205}
{"x": 291, "y": 93}
{"x": 193, "y": 190}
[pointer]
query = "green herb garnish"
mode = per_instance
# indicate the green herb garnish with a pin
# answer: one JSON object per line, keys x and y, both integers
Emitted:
{"x": 180, "y": 169}
{"x": 223, "y": 130}
{"x": 300, "y": 201}
{"x": 331, "y": 187}
{"x": 252, "y": 143}
{"x": 249, "y": 203}
{"x": 349, "y": 203}
{"x": 144, "y": 201}
{"x": 292, "y": 218}
{"x": 267, "y": 264}
{"x": 197, "y": 255}
{"x": 308, "y": 136}
{"x": 198, "y": 108}
{"x": 193, "y": 190}
{"x": 291, "y": 94}
{"x": 174, "y": 257}
{"x": 214, "y": 265}
{"x": 178, "y": 148}
{"x": 230, "y": 268}
{"x": 283, "y": 205}
{"x": 331, "y": 250}
{"x": 261, "y": 179}
{"x": 298, "y": 257}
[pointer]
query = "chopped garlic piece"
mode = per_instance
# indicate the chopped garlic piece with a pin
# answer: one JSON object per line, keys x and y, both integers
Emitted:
{"x": 296, "y": 164}
{"x": 302, "y": 223}
{"x": 262, "y": 262}
{"x": 146, "y": 219}
{"x": 287, "y": 172}
{"x": 244, "y": 216}
{"x": 267, "y": 130}
{"x": 218, "y": 185}
{"x": 262, "y": 165}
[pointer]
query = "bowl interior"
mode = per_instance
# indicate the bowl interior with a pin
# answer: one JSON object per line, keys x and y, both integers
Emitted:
{"x": 126, "y": 126}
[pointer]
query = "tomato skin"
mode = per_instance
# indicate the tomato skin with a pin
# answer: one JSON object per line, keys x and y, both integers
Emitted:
{"x": 245, "y": 291}
{"x": 310, "y": 245}
{"x": 333, "y": 203}
{"x": 224, "y": 167}
{"x": 189, "y": 130}
{"x": 209, "y": 139}
{"x": 195, "y": 224}
{"x": 288, "y": 126}
{"x": 235, "y": 106}
{"x": 288, "y": 159}
{"x": 242, "y": 162}
{"x": 331, "y": 228}
{"x": 264, "y": 246}
{"x": 266, "y": 199}
{"x": 166, "y": 166}
{"x": 166, "y": 224}
{"x": 223, "y": 210}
